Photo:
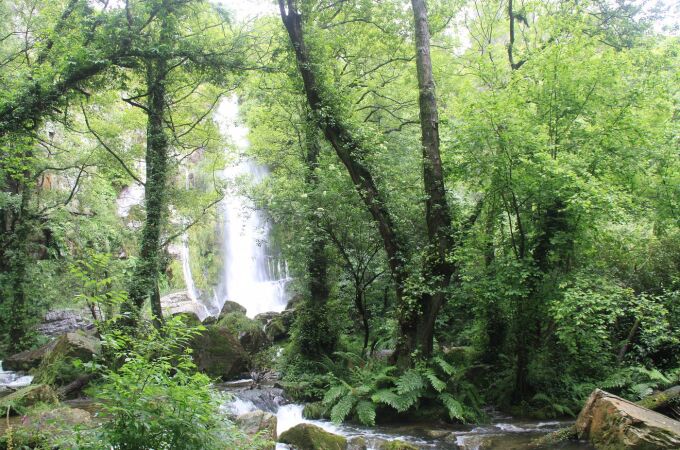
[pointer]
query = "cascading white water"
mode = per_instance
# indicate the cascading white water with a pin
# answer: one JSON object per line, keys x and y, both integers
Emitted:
{"x": 254, "y": 275}
{"x": 185, "y": 256}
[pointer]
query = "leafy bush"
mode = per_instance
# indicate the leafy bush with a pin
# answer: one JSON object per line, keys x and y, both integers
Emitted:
{"x": 157, "y": 400}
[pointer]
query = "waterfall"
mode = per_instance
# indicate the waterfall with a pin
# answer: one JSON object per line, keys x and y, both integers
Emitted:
{"x": 254, "y": 274}
{"x": 185, "y": 256}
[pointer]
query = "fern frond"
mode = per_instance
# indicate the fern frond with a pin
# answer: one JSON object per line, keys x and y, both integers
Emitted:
{"x": 366, "y": 412}
{"x": 334, "y": 394}
{"x": 445, "y": 366}
{"x": 455, "y": 409}
{"x": 437, "y": 384}
{"x": 410, "y": 381}
{"x": 342, "y": 409}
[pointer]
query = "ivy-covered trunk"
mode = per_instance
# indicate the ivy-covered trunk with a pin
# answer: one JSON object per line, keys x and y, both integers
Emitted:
{"x": 145, "y": 280}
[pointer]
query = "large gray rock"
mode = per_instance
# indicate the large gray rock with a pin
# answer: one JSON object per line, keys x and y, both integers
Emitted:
{"x": 260, "y": 422}
{"x": 612, "y": 423}
{"x": 306, "y": 436}
{"x": 17, "y": 402}
{"x": 58, "y": 322}
{"x": 254, "y": 341}
{"x": 181, "y": 303}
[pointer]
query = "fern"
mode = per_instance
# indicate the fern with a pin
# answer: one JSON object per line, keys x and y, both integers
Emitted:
{"x": 437, "y": 384}
{"x": 334, "y": 394}
{"x": 410, "y": 381}
{"x": 366, "y": 412}
{"x": 387, "y": 397}
{"x": 342, "y": 409}
{"x": 454, "y": 407}
{"x": 447, "y": 368}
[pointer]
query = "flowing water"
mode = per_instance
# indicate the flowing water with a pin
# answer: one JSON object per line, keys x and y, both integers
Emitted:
{"x": 11, "y": 381}
{"x": 501, "y": 433}
{"x": 254, "y": 274}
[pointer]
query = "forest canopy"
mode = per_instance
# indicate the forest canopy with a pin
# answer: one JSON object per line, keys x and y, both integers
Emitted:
{"x": 465, "y": 204}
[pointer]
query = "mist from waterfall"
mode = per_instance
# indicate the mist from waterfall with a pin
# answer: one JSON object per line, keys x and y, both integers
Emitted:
{"x": 254, "y": 275}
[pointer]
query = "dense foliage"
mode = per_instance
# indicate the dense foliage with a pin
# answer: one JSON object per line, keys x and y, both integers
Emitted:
{"x": 478, "y": 201}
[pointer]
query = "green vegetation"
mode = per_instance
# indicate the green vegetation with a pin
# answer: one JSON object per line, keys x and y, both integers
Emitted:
{"x": 478, "y": 204}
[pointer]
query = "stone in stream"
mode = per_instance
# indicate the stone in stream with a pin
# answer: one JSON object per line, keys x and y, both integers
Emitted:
{"x": 611, "y": 423}
{"x": 357, "y": 443}
{"x": 397, "y": 445}
{"x": 260, "y": 422}
{"x": 218, "y": 353}
{"x": 28, "y": 359}
{"x": 306, "y": 436}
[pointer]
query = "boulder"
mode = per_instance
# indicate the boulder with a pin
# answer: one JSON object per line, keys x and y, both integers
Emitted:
{"x": 29, "y": 359}
{"x": 49, "y": 429}
{"x": 357, "y": 443}
{"x": 397, "y": 445}
{"x": 62, "y": 321}
{"x": 218, "y": 353}
{"x": 276, "y": 329}
{"x": 75, "y": 345}
{"x": 26, "y": 397}
{"x": 294, "y": 301}
{"x": 69, "y": 345}
{"x": 256, "y": 422}
{"x": 610, "y": 422}
{"x": 230, "y": 307}
{"x": 254, "y": 341}
{"x": 265, "y": 317}
{"x": 182, "y": 303}
{"x": 306, "y": 436}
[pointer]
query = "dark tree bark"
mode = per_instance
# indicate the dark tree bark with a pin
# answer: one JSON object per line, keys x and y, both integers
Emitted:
{"x": 346, "y": 146}
{"x": 438, "y": 268}
{"x": 145, "y": 280}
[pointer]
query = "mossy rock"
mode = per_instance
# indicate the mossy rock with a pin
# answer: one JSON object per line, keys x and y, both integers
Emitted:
{"x": 26, "y": 360}
{"x": 306, "y": 436}
{"x": 315, "y": 411}
{"x": 397, "y": 445}
{"x": 18, "y": 402}
{"x": 230, "y": 307}
{"x": 276, "y": 329}
{"x": 357, "y": 443}
{"x": 48, "y": 429}
{"x": 218, "y": 353}
{"x": 57, "y": 367}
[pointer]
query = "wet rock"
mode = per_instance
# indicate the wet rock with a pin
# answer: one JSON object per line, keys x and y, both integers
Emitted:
{"x": 182, "y": 303}
{"x": 276, "y": 329}
{"x": 62, "y": 321}
{"x": 397, "y": 445}
{"x": 306, "y": 436}
{"x": 231, "y": 307}
{"x": 357, "y": 443}
{"x": 294, "y": 302}
{"x": 26, "y": 397}
{"x": 265, "y": 317}
{"x": 219, "y": 354}
{"x": 267, "y": 399}
{"x": 256, "y": 422}
{"x": 29, "y": 359}
{"x": 610, "y": 422}
{"x": 254, "y": 341}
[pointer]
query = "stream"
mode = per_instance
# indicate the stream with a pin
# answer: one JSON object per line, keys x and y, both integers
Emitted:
{"x": 502, "y": 433}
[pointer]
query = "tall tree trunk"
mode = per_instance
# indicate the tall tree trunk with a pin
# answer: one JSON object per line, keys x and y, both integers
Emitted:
{"x": 145, "y": 281}
{"x": 438, "y": 269}
{"x": 348, "y": 149}
{"x": 317, "y": 337}
{"x": 19, "y": 260}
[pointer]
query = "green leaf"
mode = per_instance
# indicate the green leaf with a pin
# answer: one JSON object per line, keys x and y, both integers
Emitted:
{"x": 366, "y": 412}
{"x": 410, "y": 381}
{"x": 342, "y": 409}
{"x": 455, "y": 409}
